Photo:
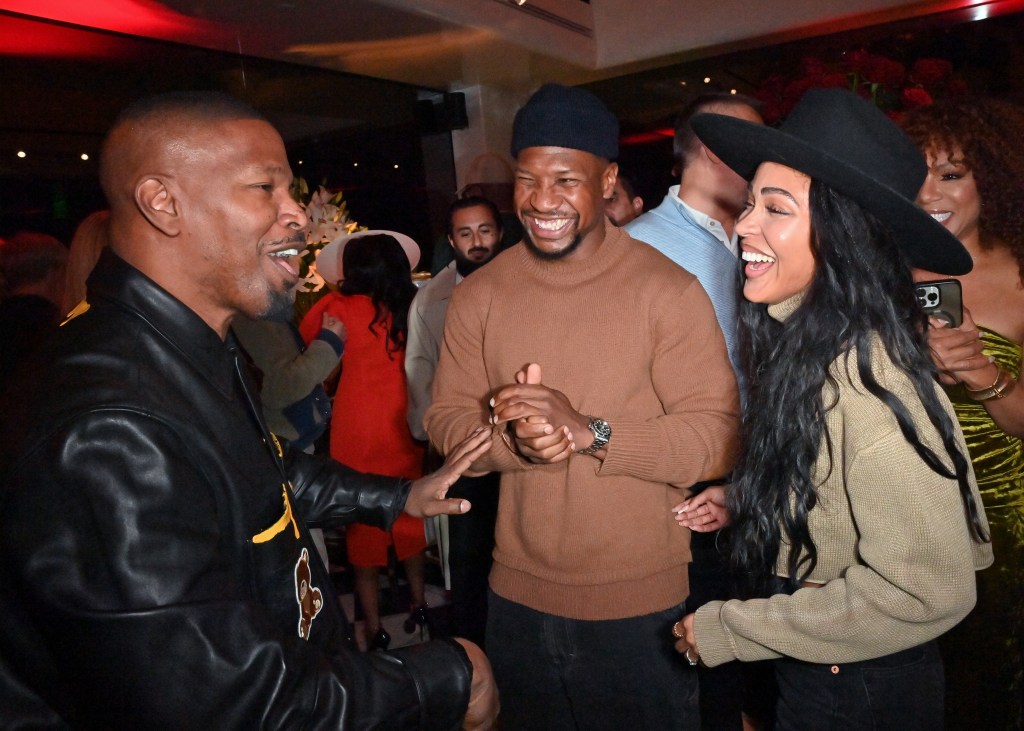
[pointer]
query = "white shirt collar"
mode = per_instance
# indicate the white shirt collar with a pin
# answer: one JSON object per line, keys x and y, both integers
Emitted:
{"x": 707, "y": 222}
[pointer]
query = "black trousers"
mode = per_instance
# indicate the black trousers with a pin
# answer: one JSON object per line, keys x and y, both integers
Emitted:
{"x": 900, "y": 691}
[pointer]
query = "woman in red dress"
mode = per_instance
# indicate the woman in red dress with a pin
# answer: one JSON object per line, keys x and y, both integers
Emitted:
{"x": 368, "y": 427}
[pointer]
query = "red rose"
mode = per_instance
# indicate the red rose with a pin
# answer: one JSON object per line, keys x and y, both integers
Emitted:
{"x": 885, "y": 71}
{"x": 914, "y": 97}
{"x": 928, "y": 71}
{"x": 856, "y": 61}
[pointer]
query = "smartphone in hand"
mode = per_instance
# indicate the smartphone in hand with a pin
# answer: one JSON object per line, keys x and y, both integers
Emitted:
{"x": 943, "y": 299}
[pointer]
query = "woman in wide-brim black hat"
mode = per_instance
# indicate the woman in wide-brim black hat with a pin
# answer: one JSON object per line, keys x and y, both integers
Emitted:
{"x": 855, "y": 514}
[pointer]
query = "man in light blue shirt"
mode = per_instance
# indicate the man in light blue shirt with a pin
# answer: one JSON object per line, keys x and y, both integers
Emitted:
{"x": 693, "y": 226}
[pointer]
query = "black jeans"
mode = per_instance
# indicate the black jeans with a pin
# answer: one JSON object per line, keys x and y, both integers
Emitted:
{"x": 901, "y": 692}
{"x": 559, "y": 674}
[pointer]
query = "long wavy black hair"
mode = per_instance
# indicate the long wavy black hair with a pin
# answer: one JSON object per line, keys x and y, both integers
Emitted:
{"x": 861, "y": 289}
{"x": 377, "y": 267}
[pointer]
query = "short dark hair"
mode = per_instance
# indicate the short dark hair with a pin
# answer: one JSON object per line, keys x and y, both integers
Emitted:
{"x": 685, "y": 141}
{"x": 208, "y": 106}
{"x": 472, "y": 201}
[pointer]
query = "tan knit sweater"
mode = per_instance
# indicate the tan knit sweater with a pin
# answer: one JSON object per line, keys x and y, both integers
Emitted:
{"x": 894, "y": 552}
{"x": 626, "y": 335}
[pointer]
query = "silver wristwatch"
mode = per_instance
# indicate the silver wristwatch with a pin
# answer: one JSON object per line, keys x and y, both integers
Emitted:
{"x": 602, "y": 433}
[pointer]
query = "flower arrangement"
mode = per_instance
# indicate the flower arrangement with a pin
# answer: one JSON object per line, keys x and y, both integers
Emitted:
{"x": 328, "y": 219}
{"x": 882, "y": 80}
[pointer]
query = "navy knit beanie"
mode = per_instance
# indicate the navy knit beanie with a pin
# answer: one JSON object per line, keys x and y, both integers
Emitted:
{"x": 565, "y": 116}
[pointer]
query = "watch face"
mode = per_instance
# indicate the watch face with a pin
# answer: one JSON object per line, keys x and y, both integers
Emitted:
{"x": 601, "y": 430}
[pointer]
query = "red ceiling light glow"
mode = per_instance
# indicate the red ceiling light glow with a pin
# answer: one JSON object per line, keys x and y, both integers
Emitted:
{"x": 134, "y": 17}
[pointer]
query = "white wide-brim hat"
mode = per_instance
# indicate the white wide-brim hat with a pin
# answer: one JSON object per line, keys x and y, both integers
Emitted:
{"x": 329, "y": 260}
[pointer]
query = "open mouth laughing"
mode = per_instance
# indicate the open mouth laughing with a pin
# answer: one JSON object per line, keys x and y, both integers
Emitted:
{"x": 756, "y": 261}
{"x": 286, "y": 258}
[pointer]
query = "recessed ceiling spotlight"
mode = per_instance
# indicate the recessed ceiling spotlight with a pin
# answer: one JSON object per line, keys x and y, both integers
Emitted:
{"x": 21, "y": 153}
{"x": 85, "y": 156}
{"x": 707, "y": 79}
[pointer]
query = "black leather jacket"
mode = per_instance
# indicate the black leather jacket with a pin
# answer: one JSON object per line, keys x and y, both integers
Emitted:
{"x": 155, "y": 571}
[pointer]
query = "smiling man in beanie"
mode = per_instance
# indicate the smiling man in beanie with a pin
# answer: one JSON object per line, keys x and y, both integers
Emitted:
{"x": 601, "y": 368}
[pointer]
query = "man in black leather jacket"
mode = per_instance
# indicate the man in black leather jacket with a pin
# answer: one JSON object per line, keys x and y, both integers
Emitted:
{"x": 157, "y": 570}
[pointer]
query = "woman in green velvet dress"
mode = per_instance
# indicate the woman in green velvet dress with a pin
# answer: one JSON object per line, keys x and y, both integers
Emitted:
{"x": 975, "y": 187}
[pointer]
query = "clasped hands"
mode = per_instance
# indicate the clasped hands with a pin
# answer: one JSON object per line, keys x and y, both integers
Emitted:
{"x": 542, "y": 422}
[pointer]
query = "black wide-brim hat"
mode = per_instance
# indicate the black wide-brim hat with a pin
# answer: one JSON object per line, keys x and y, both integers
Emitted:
{"x": 836, "y": 137}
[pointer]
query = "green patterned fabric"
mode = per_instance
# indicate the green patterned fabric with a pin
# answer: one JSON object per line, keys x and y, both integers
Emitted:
{"x": 984, "y": 655}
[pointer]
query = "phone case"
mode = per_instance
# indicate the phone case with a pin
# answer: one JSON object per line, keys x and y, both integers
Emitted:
{"x": 942, "y": 298}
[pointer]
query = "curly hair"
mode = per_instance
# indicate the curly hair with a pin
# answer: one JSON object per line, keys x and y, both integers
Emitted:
{"x": 861, "y": 293}
{"x": 982, "y": 131}
{"x": 377, "y": 266}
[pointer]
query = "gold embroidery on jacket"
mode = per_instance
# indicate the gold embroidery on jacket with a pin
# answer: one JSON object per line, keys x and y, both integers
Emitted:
{"x": 281, "y": 523}
{"x": 80, "y": 309}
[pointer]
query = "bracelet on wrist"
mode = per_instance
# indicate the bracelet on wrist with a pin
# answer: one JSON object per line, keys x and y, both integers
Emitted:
{"x": 1000, "y": 388}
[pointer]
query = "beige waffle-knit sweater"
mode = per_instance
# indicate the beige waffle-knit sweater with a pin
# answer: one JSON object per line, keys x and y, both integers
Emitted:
{"x": 894, "y": 552}
{"x": 628, "y": 336}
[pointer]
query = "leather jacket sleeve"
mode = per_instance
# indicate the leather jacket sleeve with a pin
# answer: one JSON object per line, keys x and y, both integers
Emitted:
{"x": 328, "y": 492}
{"x": 140, "y": 616}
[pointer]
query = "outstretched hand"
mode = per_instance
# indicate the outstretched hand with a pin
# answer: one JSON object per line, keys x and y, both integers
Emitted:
{"x": 428, "y": 495}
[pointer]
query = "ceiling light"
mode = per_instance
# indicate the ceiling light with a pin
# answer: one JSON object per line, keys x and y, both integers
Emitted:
{"x": 21, "y": 153}
{"x": 85, "y": 156}
{"x": 707, "y": 79}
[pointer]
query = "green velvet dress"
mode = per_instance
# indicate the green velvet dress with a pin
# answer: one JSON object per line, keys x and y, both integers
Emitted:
{"x": 983, "y": 655}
